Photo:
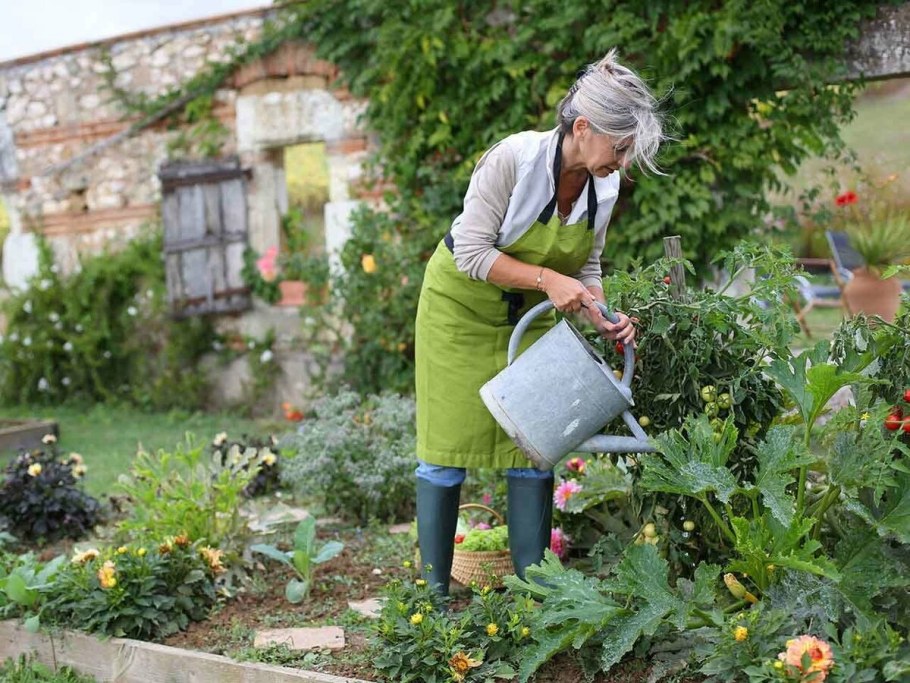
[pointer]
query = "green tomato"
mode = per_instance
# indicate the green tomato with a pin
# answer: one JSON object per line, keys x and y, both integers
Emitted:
{"x": 708, "y": 393}
{"x": 717, "y": 425}
{"x": 724, "y": 401}
{"x": 689, "y": 525}
{"x": 711, "y": 409}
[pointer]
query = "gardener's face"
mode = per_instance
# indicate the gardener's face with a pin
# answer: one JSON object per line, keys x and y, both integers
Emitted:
{"x": 602, "y": 154}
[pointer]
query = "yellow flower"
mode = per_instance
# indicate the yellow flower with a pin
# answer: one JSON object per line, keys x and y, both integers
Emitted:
{"x": 778, "y": 665}
{"x": 492, "y": 630}
{"x": 141, "y": 552}
{"x": 219, "y": 439}
{"x": 76, "y": 458}
{"x": 368, "y": 263}
{"x": 79, "y": 471}
{"x": 122, "y": 549}
{"x": 34, "y": 470}
{"x": 525, "y": 631}
{"x": 164, "y": 548}
{"x": 48, "y": 439}
{"x": 213, "y": 558}
{"x": 268, "y": 458}
{"x": 106, "y": 575}
{"x": 406, "y": 564}
{"x": 85, "y": 556}
{"x": 461, "y": 663}
{"x": 485, "y": 590}
{"x": 864, "y": 416}
{"x": 740, "y": 633}
{"x": 416, "y": 618}
{"x": 421, "y": 582}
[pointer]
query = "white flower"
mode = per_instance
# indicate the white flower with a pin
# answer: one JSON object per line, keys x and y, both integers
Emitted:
{"x": 251, "y": 344}
{"x": 44, "y": 284}
{"x": 68, "y": 346}
{"x": 27, "y": 341}
{"x": 58, "y": 325}
{"x": 266, "y": 356}
{"x": 79, "y": 328}
{"x": 217, "y": 345}
{"x": 53, "y": 317}
{"x": 54, "y": 268}
{"x": 149, "y": 293}
{"x": 219, "y": 439}
{"x": 43, "y": 384}
{"x": 132, "y": 310}
{"x": 48, "y": 438}
{"x": 106, "y": 354}
{"x": 65, "y": 381}
{"x": 27, "y": 307}
{"x": 14, "y": 337}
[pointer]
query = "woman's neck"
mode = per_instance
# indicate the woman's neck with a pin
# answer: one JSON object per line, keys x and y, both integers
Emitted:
{"x": 572, "y": 163}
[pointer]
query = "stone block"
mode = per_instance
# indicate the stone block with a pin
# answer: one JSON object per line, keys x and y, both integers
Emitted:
{"x": 369, "y": 608}
{"x": 320, "y": 638}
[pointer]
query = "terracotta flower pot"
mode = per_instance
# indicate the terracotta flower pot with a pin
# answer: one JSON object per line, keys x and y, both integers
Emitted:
{"x": 293, "y": 293}
{"x": 867, "y": 293}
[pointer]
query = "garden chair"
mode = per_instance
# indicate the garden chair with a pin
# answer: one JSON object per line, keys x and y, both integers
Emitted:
{"x": 808, "y": 296}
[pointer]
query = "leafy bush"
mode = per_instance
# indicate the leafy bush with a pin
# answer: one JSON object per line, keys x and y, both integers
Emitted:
{"x": 40, "y": 497}
{"x": 22, "y": 579}
{"x": 190, "y": 492}
{"x": 418, "y": 642}
{"x": 103, "y": 333}
{"x": 357, "y": 455}
{"x": 135, "y": 591}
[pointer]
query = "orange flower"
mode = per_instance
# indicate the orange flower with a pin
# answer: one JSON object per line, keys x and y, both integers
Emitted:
{"x": 368, "y": 263}
{"x": 213, "y": 558}
{"x": 821, "y": 659}
{"x": 461, "y": 663}
{"x": 107, "y": 575}
{"x": 182, "y": 540}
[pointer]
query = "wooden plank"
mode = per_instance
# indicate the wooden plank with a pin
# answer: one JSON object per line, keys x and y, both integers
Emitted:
{"x": 172, "y": 278}
{"x": 233, "y": 264}
{"x": 217, "y": 270}
{"x": 194, "y": 274}
{"x": 211, "y": 194}
{"x": 202, "y": 243}
{"x": 673, "y": 249}
{"x": 192, "y": 212}
{"x": 134, "y": 661}
{"x": 170, "y": 216}
{"x": 233, "y": 207}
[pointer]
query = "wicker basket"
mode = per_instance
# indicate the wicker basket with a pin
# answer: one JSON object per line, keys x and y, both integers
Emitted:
{"x": 484, "y": 567}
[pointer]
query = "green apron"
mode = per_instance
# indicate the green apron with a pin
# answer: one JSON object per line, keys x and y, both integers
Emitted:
{"x": 462, "y": 338}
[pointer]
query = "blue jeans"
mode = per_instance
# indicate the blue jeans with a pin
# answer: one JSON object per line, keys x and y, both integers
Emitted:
{"x": 440, "y": 475}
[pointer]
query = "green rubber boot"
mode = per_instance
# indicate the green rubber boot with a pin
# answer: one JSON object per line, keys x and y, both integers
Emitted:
{"x": 437, "y": 517}
{"x": 530, "y": 518}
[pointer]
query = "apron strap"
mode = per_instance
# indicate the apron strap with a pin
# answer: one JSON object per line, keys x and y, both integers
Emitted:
{"x": 516, "y": 302}
{"x": 548, "y": 210}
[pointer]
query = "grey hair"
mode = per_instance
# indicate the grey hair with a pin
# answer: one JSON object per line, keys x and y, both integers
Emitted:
{"x": 617, "y": 102}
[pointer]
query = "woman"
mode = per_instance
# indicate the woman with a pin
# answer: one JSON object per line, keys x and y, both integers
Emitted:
{"x": 533, "y": 226}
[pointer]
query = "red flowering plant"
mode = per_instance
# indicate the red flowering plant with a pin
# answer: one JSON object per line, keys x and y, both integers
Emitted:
{"x": 877, "y": 224}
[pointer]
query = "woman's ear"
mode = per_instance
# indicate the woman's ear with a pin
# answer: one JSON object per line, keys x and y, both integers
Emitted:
{"x": 580, "y": 126}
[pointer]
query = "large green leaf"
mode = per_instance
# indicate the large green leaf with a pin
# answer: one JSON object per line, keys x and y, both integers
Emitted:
{"x": 328, "y": 551}
{"x": 296, "y": 590}
{"x": 691, "y": 463}
{"x": 273, "y": 552}
{"x": 811, "y": 379}
{"x": 19, "y": 592}
{"x": 778, "y": 456}
{"x": 305, "y": 535}
{"x": 868, "y": 566}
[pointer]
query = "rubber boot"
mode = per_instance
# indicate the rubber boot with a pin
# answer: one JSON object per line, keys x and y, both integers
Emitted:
{"x": 437, "y": 517}
{"x": 530, "y": 518}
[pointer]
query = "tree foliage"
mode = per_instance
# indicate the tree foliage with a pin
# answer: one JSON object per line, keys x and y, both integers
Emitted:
{"x": 745, "y": 85}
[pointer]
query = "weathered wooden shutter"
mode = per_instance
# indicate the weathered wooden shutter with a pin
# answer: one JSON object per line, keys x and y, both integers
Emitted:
{"x": 205, "y": 235}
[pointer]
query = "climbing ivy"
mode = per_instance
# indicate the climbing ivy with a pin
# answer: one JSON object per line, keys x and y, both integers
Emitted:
{"x": 745, "y": 86}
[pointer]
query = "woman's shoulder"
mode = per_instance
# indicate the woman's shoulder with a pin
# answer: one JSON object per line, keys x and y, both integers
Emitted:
{"x": 529, "y": 142}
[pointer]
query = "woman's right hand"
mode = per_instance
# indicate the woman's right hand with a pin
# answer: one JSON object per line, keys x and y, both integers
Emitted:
{"x": 567, "y": 294}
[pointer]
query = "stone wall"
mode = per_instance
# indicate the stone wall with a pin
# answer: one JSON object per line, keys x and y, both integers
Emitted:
{"x": 66, "y": 174}
{"x": 53, "y": 108}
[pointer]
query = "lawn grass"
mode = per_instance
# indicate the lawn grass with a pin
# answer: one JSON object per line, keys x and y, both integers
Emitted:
{"x": 109, "y": 436}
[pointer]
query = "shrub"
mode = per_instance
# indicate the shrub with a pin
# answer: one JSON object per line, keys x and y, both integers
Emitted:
{"x": 41, "y": 499}
{"x": 103, "y": 333}
{"x": 190, "y": 492}
{"x": 356, "y": 454}
{"x": 135, "y": 591}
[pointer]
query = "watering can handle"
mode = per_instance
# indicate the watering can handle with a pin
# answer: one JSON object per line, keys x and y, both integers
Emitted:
{"x": 546, "y": 305}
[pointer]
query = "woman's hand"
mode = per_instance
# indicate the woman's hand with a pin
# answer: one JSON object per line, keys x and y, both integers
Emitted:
{"x": 567, "y": 293}
{"x": 623, "y": 330}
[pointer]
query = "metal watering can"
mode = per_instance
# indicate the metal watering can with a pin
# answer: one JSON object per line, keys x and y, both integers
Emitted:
{"x": 555, "y": 398}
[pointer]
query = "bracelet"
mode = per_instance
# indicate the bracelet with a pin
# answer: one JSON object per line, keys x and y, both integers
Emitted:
{"x": 539, "y": 282}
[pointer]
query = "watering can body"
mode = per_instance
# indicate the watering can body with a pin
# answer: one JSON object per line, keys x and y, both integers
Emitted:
{"x": 557, "y": 396}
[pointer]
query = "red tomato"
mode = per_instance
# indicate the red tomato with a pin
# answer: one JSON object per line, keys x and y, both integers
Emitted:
{"x": 667, "y": 280}
{"x": 620, "y": 349}
{"x": 906, "y": 426}
{"x": 459, "y": 538}
{"x": 893, "y": 422}
{"x": 907, "y": 395}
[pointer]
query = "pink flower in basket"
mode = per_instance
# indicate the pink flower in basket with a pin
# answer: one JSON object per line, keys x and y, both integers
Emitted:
{"x": 564, "y": 491}
{"x": 482, "y": 526}
{"x": 559, "y": 542}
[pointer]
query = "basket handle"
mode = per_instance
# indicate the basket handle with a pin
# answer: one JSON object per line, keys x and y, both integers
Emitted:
{"x": 480, "y": 506}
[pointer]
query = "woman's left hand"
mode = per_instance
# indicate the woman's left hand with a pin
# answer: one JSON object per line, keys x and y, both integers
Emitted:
{"x": 623, "y": 330}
